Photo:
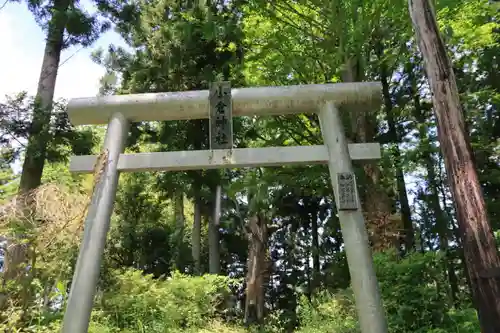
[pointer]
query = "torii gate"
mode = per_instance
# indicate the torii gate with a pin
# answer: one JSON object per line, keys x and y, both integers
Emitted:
{"x": 119, "y": 111}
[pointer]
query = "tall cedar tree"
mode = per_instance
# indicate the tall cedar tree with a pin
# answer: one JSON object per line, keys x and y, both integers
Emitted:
{"x": 480, "y": 250}
{"x": 65, "y": 24}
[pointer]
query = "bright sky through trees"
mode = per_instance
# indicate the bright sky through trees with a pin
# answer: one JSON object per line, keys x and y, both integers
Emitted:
{"x": 23, "y": 42}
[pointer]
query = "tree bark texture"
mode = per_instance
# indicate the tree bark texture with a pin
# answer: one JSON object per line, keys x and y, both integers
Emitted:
{"x": 179, "y": 228}
{"x": 39, "y": 132}
{"x": 256, "y": 270}
{"x": 213, "y": 235}
{"x": 199, "y": 136}
{"x": 196, "y": 235}
{"x": 480, "y": 251}
{"x": 315, "y": 249}
{"x": 383, "y": 228}
{"x": 408, "y": 236}
{"x": 441, "y": 216}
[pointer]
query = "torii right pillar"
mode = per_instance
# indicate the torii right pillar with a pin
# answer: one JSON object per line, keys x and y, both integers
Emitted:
{"x": 359, "y": 256}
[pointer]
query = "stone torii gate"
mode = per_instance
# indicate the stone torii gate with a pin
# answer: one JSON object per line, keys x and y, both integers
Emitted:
{"x": 219, "y": 105}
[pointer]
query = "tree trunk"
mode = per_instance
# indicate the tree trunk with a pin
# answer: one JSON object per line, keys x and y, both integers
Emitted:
{"x": 441, "y": 224}
{"x": 213, "y": 235}
{"x": 199, "y": 137}
{"x": 375, "y": 201}
{"x": 442, "y": 218}
{"x": 460, "y": 249}
{"x": 408, "y": 232}
{"x": 39, "y": 132}
{"x": 421, "y": 245}
{"x": 256, "y": 270}
{"x": 179, "y": 228}
{"x": 315, "y": 249}
{"x": 480, "y": 250}
{"x": 15, "y": 255}
{"x": 47, "y": 289}
{"x": 196, "y": 236}
{"x": 453, "y": 280}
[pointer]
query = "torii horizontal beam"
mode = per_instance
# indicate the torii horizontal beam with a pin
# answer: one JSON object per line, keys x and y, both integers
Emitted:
{"x": 225, "y": 158}
{"x": 188, "y": 105}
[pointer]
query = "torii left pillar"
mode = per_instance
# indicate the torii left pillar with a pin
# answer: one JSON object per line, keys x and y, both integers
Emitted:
{"x": 81, "y": 297}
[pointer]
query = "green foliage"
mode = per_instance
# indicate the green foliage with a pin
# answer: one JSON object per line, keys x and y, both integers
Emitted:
{"x": 140, "y": 303}
{"x": 50, "y": 237}
{"x": 416, "y": 280}
{"x": 413, "y": 299}
{"x": 16, "y": 115}
{"x": 8, "y": 181}
{"x": 179, "y": 45}
{"x": 469, "y": 24}
{"x": 328, "y": 312}
{"x": 81, "y": 27}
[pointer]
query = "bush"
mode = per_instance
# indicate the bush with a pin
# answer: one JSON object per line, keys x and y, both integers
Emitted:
{"x": 138, "y": 303}
{"x": 413, "y": 295}
{"x": 328, "y": 312}
{"x": 143, "y": 304}
{"x": 414, "y": 291}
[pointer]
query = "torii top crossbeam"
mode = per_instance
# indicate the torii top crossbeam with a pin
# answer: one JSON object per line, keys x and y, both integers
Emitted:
{"x": 245, "y": 102}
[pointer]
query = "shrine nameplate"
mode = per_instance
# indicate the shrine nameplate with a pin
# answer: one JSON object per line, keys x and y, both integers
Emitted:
{"x": 347, "y": 195}
{"x": 221, "y": 116}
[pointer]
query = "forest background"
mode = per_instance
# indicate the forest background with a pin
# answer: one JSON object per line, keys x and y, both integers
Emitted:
{"x": 166, "y": 233}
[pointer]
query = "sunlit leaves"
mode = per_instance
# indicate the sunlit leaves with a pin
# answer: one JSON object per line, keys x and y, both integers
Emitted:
{"x": 471, "y": 24}
{"x": 15, "y": 128}
{"x": 81, "y": 27}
